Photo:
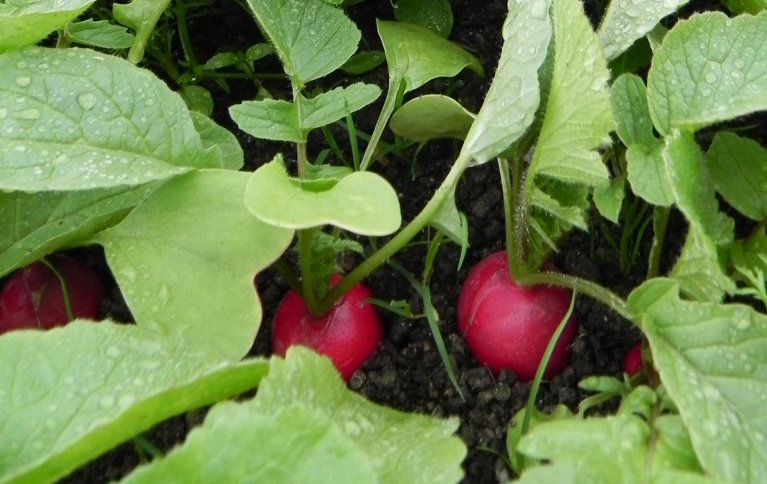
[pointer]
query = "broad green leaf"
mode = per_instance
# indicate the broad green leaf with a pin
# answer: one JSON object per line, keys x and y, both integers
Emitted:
{"x": 400, "y": 447}
{"x": 578, "y": 118}
{"x": 330, "y": 106}
{"x": 72, "y": 393}
{"x": 100, "y": 33}
{"x": 37, "y": 224}
{"x": 361, "y": 202}
{"x": 609, "y": 198}
{"x": 572, "y": 215}
{"x": 283, "y": 120}
{"x": 75, "y": 119}
{"x": 710, "y": 68}
{"x": 692, "y": 187}
{"x": 512, "y": 100}
{"x": 198, "y": 100}
{"x": 632, "y": 114}
{"x": 416, "y": 55}
{"x": 431, "y": 116}
{"x": 311, "y": 38}
{"x": 689, "y": 181}
{"x": 711, "y": 359}
{"x": 626, "y": 21}
{"x": 141, "y": 16}
{"x": 185, "y": 259}
{"x": 739, "y": 169}
{"x": 750, "y": 6}
{"x": 26, "y": 23}
{"x": 274, "y": 119}
{"x": 221, "y": 142}
{"x": 292, "y": 444}
{"x": 648, "y": 173}
{"x": 698, "y": 269}
{"x": 436, "y": 15}
{"x": 610, "y": 449}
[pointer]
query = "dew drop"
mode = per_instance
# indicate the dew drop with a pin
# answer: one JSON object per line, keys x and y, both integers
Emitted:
{"x": 743, "y": 324}
{"x": 3, "y": 113}
{"x": 107, "y": 402}
{"x": 126, "y": 401}
{"x": 23, "y": 81}
{"x": 113, "y": 352}
{"x": 86, "y": 100}
{"x": 711, "y": 78}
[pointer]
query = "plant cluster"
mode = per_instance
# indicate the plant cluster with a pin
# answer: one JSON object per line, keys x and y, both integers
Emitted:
{"x": 97, "y": 150}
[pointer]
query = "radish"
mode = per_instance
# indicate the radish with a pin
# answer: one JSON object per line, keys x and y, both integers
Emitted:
{"x": 32, "y": 297}
{"x": 348, "y": 334}
{"x": 632, "y": 362}
{"x": 508, "y": 326}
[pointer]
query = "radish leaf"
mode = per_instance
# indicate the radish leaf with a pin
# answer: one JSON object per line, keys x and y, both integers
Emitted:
{"x": 431, "y": 116}
{"x": 625, "y": 22}
{"x": 29, "y": 22}
{"x": 512, "y": 100}
{"x": 74, "y": 119}
{"x": 180, "y": 270}
{"x": 362, "y": 202}
{"x": 711, "y": 359}
{"x": 709, "y": 68}
{"x": 72, "y": 393}
{"x": 311, "y": 38}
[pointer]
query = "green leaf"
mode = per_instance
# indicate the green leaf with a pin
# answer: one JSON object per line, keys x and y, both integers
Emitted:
{"x": 330, "y": 106}
{"x": 571, "y": 215}
{"x": 180, "y": 269}
{"x": 693, "y": 189}
{"x": 750, "y": 6}
{"x": 219, "y": 141}
{"x": 512, "y": 100}
{"x": 625, "y": 22}
{"x": 738, "y": 168}
{"x": 26, "y": 23}
{"x": 416, "y": 55}
{"x": 698, "y": 269}
{"x": 75, "y": 119}
{"x": 274, "y": 119}
{"x": 100, "y": 33}
{"x": 435, "y": 15}
{"x": 141, "y": 16}
{"x": 37, "y": 224}
{"x": 401, "y": 447}
{"x": 609, "y": 198}
{"x": 361, "y": 202}
{"x": 648, "y": 173}
{"x": 632, "y": 114}
{"x": 578, "y": 117}
{"x": 198, "y": 100}
{"x": 293, "y": 444}
{"x": 72, "y": 393}
{"x": 711, "y": 360}
{"x": 311, "y": 38}
{"x": 282, "y": 120}
{"x": 710, "y": 68}
{"x": 452, "y": 223}
{"x": 431, "y": 116}
{"x": 609, "y": 449}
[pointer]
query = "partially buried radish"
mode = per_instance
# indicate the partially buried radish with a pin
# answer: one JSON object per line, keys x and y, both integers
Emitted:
{"x": 508, "y": 326}
{"x": 632, "y": 362}
{"x": 32, "y": 296}
{"x": 348, "y": 334}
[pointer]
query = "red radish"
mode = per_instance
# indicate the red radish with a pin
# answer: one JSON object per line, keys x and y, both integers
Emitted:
{"x": 32, "y": 296}
{"x": 348, "y": 334}
{"x": 632, "y": 362}
{"x": 508, "y": 326}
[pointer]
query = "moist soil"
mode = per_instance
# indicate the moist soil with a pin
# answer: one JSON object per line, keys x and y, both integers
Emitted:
{"x": 407, "y": 373}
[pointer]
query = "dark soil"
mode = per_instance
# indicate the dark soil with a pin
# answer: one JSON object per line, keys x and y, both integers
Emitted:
{"x": 407, "y": 372}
